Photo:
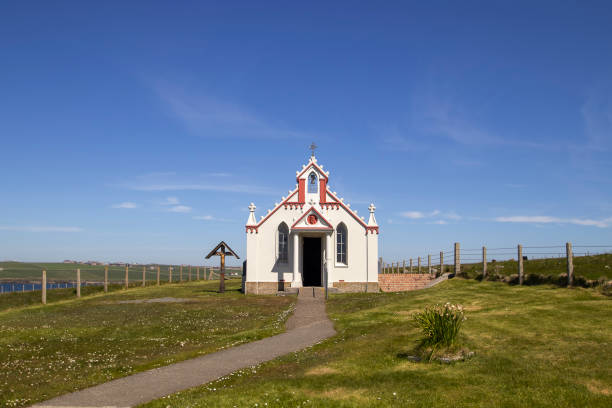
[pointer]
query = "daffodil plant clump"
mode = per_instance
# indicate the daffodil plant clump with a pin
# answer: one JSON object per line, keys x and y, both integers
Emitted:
{"x": 440, "y": 325}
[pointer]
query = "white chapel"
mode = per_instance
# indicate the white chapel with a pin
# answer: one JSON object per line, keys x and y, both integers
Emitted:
{"x": 311, "y": 236}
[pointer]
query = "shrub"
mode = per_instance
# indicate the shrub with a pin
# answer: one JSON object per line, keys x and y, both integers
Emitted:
{"x": 440, "y": 324}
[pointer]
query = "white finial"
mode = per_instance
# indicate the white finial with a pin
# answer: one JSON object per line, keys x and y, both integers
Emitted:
{"x": 289, "y": 191}
{"x": 252, "y": 220}
{"x": 372, "y": 220}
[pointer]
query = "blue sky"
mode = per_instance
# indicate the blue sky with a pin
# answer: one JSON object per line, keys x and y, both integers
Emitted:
{"x": 142, "y": 131}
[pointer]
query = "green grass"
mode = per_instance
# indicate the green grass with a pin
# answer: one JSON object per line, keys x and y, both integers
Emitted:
{"x": 589, "y": 267}
{"x": 67, "y": 345}
{"x": 67, "y": 272}
{"x": 538, "y": 346}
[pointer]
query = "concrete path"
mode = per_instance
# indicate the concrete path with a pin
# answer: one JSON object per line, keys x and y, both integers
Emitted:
{"x": 308, "y": 325}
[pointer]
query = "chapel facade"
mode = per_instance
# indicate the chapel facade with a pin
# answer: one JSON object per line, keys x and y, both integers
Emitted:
{"x": 311, "y": 236}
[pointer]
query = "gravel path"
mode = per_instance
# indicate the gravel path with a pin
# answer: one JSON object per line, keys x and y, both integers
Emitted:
{"x": 307, "y": 326}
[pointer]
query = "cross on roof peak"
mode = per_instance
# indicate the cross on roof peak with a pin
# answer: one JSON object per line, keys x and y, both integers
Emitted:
{"x": 313, "y": 147}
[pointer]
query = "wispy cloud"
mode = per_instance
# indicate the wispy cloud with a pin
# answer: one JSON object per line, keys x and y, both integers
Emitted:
{"x": 204, "y": 217}
{"x": 418, "y": 215}
{"x": 170, "y": 201}
{"x": 180, "y": 209}
{"x": 156, "y": 182}
{"x": 543, "y": 219}
{"x": 597, "y": 115}
{"x": 207, "y": 116}
{"x": 40, "y": 229}
{"x": 126, "y": 204}
{"x": 432, "y": 118}
{"x": 210, "y": 218}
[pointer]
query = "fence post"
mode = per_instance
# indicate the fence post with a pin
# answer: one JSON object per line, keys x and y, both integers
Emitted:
{"x": 44, "y": 287}
{"x": 419, "y": 264}
{"x": 404, "y": 266}
{"x": 158, "y": 275}
{"x": 484, "y": 263}
{"x": 189, "y": 273}
{"x": 127, "y": 279}
{"x": 570, "y": 263}
{"x": 520, "y": 263}
{"x": 181, "y": 274}
{"x": 457, "y": 258}
{"x": 144, "y": 271}
{"x": 429, "y": 264}
{"x": 170, "y": 274}
{"x": 210, "y": 275}
{"x": 441, "y": 263}
{"x": 410, "y": 265}
{"x": 78, "y": 283}
{"x": 105, "y": 278}
{"x": 198, "y": 273}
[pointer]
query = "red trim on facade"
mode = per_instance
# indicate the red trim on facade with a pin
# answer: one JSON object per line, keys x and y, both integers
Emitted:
{"x": 311, "y": 164}
{"x": 293, "y": 205}
{"x": 371, "y": 230}
{"x": 275, "y": 209}
{"x": 302, "y": 190}
{"x": 349, "y": 210}
{"x": 312, "y": 228}
{"x": 330, "y": 206}
{"x": 251, "y": 228}
{"x": 322, "y": 190}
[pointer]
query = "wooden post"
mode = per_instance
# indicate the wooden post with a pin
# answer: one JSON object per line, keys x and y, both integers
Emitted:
{"x": 198, "y": 273}
{"x": 520, "y": 263}
{"x": 158, "y": 283}
{"x": 570, "y": 263}
{"x": 144, "y": 271}
{"x": 222, "y": 274}
{"x": 105, "y": 278}
{"x": 457, "y": 259}
{"x": 419, "y": 264}
{"x": 404, "y": 266}
{"x": 189, "y": 273}
{"x": 441, "y": 263}
{"x": 170, "y": 274}
{"x": 484, "y": 263}
{"x": 127, "y": 279}
{"x": 410, "y": 265}
{"x": 429, "y": 264}
{"x": 78, "y": 288}
{"x": 181, "y": 274}
{"x": 44, "y": 287}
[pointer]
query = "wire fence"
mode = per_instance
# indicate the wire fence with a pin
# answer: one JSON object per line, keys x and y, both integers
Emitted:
{"x": 28, "y": 277}
{"x": 587, "y": 261}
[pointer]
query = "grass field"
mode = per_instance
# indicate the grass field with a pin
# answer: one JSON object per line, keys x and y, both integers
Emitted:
{"x": 70, "y": 344}
{"x": 67, "y": 272}
{"x": 538, "y": 346}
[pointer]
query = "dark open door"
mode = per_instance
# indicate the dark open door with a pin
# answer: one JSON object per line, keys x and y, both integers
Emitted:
{"x": 312, "y": 262}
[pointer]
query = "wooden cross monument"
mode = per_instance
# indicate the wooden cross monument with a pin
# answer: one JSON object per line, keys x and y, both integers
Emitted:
{"x": 221, "y": 250}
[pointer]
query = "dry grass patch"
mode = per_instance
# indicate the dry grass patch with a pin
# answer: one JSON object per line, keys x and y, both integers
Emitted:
{"x": 322, "y": 370}
{"x": 597, "y": 387}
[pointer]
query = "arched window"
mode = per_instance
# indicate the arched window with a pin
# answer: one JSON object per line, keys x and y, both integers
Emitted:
{"x": 283, "y": 243}
{"x": 341, "y": 241}
{"x": 312, "y": 183}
